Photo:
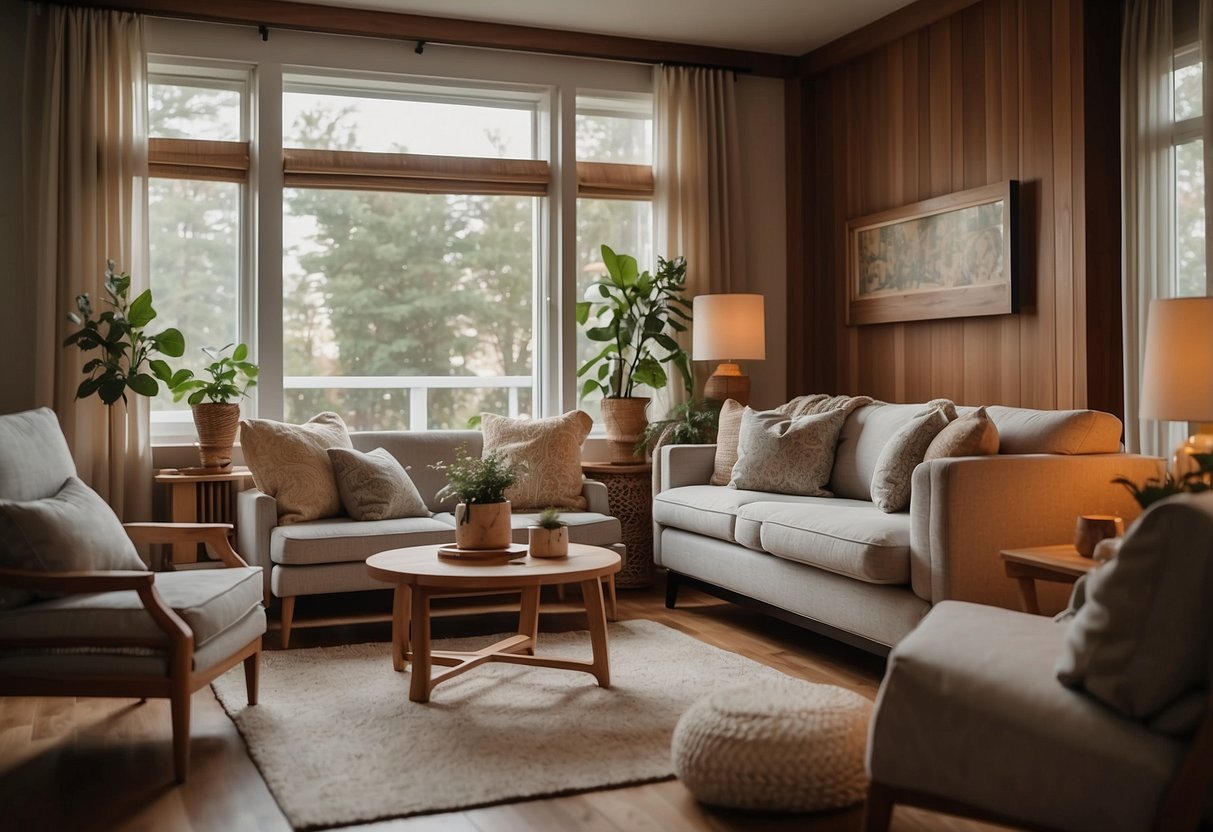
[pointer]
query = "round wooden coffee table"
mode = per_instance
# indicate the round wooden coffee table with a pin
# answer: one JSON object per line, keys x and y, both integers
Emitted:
{"x": 419, "y": 575}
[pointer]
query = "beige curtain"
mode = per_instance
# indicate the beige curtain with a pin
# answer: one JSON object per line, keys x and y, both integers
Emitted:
{"x": 697, "y": 188}
{"x": 85, "y": 162}
{"x": 1148, "y": 182}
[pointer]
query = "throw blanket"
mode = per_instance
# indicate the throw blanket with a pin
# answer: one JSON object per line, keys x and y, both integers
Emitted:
{"x": 823, "y": 403}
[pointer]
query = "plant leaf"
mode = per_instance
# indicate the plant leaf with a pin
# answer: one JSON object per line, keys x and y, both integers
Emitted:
{"x": 170, "y": 342}
{"x": 141, "y": 313}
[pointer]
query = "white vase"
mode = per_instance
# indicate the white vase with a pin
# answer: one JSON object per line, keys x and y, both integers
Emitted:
{"x": 483, "y": 525}
{"x": 548, "y": 543}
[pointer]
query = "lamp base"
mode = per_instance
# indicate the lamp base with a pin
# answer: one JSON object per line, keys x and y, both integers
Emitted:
{"x": 1198, "y": 443}
{"x": 728, "y": 382}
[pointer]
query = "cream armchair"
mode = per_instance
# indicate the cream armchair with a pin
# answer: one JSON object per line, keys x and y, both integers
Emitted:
{"x": 79, "y": 617}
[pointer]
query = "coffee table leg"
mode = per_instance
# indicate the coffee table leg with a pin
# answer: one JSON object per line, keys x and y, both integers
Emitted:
{"x": 528, "y": 617}
{"x": 400, "y": 626}
{"x": 419, "y": 685}
{"x": 595, "y": 612}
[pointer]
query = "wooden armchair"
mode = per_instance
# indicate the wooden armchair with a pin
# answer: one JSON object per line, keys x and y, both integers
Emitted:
{"x": 121, "y": 632}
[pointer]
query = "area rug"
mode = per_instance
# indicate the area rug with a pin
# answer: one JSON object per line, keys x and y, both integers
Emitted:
{"x": 338, "y": 741}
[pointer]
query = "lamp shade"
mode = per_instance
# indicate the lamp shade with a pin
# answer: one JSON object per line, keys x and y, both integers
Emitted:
{"x": 1177, "y": 379}
{"x": 728, "y": 328}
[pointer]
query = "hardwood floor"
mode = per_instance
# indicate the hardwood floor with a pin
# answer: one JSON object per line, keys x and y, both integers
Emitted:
{"x": 93, "y": 764}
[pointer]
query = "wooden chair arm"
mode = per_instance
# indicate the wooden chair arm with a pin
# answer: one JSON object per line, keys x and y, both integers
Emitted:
{"x": 214, "y": 535}
{"x": 75, "y": 583}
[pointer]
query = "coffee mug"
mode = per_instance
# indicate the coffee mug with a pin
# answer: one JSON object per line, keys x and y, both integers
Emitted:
{"x": 1092, "y": 528}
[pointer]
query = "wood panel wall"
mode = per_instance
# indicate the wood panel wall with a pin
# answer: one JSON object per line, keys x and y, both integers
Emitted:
{"x": 994, "y": 91}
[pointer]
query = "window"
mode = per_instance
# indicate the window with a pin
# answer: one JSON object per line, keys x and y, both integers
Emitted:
{"x": 1190, "y": 276}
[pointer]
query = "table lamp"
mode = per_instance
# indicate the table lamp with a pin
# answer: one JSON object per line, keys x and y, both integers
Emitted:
{"x": 728, "y": 328}
{"x": 1177, "y": 377}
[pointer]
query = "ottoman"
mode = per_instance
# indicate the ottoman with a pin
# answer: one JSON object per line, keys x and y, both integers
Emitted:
{"x": 785, "y": 746}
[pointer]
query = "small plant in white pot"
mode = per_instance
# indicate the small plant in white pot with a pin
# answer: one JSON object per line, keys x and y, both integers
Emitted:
{"x": 482, "y": 516}
{"x": 549, "y": 537}
{"x": 216, "y": 416}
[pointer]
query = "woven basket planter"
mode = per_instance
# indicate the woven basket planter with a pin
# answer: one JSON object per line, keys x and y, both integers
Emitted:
{"x": 625, "y": 420}
{"x": 217, "y": 423}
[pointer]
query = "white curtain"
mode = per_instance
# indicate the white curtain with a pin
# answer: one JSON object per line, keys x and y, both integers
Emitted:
{"x": 1148, "y": 182}
{"x": 697, "y": 196}
{"x": 86, "y": 164}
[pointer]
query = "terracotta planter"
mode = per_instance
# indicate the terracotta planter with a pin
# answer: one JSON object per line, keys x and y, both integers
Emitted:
{"x": 548, "y": 543}
{"x": 217, "y": 423}
{"x": 625, "y": 421}
{"x": 483, "y": 525}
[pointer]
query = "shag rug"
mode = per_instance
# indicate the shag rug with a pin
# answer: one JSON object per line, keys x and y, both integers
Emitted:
{"x": 339, "y": 742}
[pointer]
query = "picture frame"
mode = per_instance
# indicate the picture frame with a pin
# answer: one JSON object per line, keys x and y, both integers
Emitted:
{"x": 952, "y": 256}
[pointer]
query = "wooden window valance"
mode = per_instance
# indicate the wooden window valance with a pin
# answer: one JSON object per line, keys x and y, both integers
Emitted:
{"x": 198, "y": 159}
{"x": 608, "y": 180}
{"x": 413, "y": 173}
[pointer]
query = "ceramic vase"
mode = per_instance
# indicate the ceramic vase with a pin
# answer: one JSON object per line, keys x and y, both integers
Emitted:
{"x": 483, "y": 525}
{"x": 548, "y": 543}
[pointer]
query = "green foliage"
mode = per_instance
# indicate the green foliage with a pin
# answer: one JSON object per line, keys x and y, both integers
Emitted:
{"x": 230, "y": 377}
{"x": 1155, "y": 489}
{"x": 638, "y": 313}
{"x": 688, "y": 423}
{"x": 476, "y": 479}
{"x": 549, "y": 518}
{"x": 126, "y": 349}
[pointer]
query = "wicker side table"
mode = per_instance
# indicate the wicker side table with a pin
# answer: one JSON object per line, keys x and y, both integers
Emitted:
{"x": 630, "y": 495}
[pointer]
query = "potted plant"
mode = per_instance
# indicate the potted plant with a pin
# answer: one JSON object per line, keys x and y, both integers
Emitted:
{"x": 482, "y": 516}
{"x": 635, "y": 317}
{"x": 126, "y": 347}
{"x": 693, "y": 422}
{"x": 549, "y": 537}
{"x": 216, "y": 416}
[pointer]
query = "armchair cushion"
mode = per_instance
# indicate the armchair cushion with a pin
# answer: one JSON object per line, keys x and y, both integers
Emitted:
{"x": 75, "y": 530}
{"x": 34, "y": 458}
{"x": 548, "y": 452}
{"x": 291, "y": 464}
{"x": 374, "y": 486}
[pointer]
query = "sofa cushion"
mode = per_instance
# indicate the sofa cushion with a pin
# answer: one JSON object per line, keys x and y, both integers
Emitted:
{"x": 547, "y": 453}
{"x": 210, "y": 601}
{"x": 1024, "y": 431}
{"x": 71, "y": 531}
{"x": 339, "y": 539}
{"x": 374, "y": 486}
{"x": 34, "y": 458}
{"x": 711, "y": 510}
{"x": 850, "y": 537}
{"x": 901, "y": 455}
{"x": 585, "y": 527}
{"x": 1021, "y": 744}
{"x": 1141, "y": 640}
{"x": 973, "y": 434}
{"x": 291, "y": 464}
{"x": 863, "y": 436}
{"x": 786, "y": 456}
{"x": 728, "y": 435}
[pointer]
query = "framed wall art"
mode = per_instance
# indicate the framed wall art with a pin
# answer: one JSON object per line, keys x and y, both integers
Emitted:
{"x": 952, "y": 256}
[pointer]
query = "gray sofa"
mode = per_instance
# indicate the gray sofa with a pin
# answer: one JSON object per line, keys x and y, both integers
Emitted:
{"x": 843, "y": 567}
{"x": 329, "y": 555}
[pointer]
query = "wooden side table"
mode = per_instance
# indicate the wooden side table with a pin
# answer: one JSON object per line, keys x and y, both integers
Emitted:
{"x": 630, "y": 496}
{"x": 201, "y": 498}
{"x": 1061, "y": 564}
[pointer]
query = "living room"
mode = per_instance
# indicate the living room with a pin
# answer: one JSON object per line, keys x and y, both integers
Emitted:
{"x": 391, "y": 213}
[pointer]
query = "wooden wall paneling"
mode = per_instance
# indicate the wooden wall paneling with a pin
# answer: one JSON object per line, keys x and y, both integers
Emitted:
{"x": 797, "y": 126}
{"x": 1012, "y": 123}
{"x": 852, "y": 207}
{"x": 1063, "y": 206}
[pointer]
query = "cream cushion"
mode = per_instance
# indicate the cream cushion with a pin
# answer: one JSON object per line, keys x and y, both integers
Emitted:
{"x": 973, "y": 434}
{"x": 786, "y": 456}
{"x": 1141, "y": 641}
{"x": 34, "y": 458}
{"x": 1025, "y": 431}
{"x": 901, "y": 455}
{"x": 728, "y": 434}
{"x": 291, "y": 464}
{"x": 788, "y": 746}
{"x": 374, "y": 486}
{"x": 548, "y": 453}
{"x": 710, "y": 510}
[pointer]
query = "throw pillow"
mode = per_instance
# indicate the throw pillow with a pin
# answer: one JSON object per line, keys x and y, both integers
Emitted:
{"x": 75, "y": 530}
{"x": 374, "y": 486}
{"x": 291, "y": 464}
{"x": 787, "y": 456}
{"x": 1140, "y": 642}
{"x": 728, "y": 433}
{"x": 971, "y": 435}
{"x": 901, "y": 455}
{"x": 548, "y": 454}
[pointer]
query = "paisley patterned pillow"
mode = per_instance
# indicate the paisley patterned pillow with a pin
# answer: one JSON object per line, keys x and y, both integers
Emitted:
{"x": 291, "y": 464}
{"x": 901, "y": 455}
{"x": 374, "y": 486}
{"x": 548, "y": 452}
{"x": 787, "y": 456}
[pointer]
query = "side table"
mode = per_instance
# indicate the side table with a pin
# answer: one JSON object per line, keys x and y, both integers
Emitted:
{"x": 1061, "y": 563}
{"x": 630, "y": 496}
{"x": 201, "y": 498}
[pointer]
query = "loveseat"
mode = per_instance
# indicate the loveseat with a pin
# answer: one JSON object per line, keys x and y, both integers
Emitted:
{"x": 329, "y": 555}
{"x": 842, "y": 566}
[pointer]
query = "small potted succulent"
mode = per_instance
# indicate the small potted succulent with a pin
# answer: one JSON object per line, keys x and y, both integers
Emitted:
{"x": 216, "y": 416}
{"x": 482, "y": 516}
{"x": 549, "y": 537}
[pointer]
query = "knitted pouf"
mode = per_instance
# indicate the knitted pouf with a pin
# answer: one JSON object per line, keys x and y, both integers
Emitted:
{"x": 785, "y": 746}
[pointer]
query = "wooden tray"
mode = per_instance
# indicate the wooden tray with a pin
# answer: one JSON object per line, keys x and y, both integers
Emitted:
{"x": 482, "y": 555}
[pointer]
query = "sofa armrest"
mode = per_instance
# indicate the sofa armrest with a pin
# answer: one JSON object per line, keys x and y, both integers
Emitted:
{"x": 677, "y": 465}
{"x": 965, "y": 510}
{"x": 256, "y": 517}
{"x": 596, "y": 499}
